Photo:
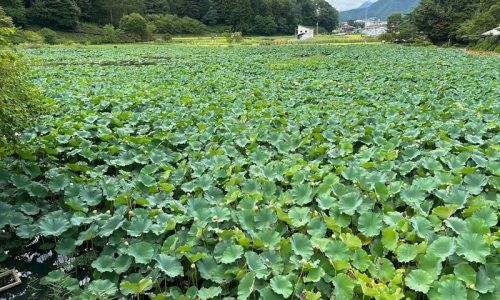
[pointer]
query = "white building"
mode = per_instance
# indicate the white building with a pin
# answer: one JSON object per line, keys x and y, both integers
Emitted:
{"x": 305, "y": 33}
{"x": 375, "y": 28}
{"x": 493, "y": 32}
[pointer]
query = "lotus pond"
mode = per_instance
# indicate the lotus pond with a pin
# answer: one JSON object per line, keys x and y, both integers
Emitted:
{"x": 292, "y": 172}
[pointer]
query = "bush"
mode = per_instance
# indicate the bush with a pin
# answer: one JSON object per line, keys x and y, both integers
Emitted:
{"x": 19, "y": 102}
{"x": 49, "y": 36}
{"x": 174, "y": 25}
{"x": 27, "y": 36}
{"x": 135, "y": 25}
{"x": 491, "y": 43}
{"x": 111, "y": 35}
{"x": 233, "y": 37}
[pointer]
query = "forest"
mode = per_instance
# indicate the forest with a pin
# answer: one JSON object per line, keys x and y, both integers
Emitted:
{"x": 266, "y": 17}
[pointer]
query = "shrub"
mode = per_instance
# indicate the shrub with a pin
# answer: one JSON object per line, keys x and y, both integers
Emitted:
{"x": 233, "y": 37}
{"x": 111, "y": 35}
{"x": 135, "y": 25}
{"x": 18, "y": 98}
{"x": 174, "y": 25}
{"x": 491, "y": 43}
{"x": 49, "y": 36}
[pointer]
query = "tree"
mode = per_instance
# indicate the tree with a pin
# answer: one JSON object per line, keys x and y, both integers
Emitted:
{"x": 135, "y": 24}
{"x": 157, "y": 7}
{"x": 19, "y": 101}
{"x": 264, "y": 25}
{"x": 85, "y": 9}
{"x": 394, "y": 21}
{"x": 15, "y": 9}
{"x": 327, "y": 16}
{"x": 62, "y": 14}
{"x": 190, "y": 8}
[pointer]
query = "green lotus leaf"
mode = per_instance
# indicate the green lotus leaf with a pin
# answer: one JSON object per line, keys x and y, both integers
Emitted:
{"x": 122, "y": 264}
{"x": 147, "y": 180}
{"x": 370, "y": 223}
{"x": 390, "y": 238}
{"x": 59, "y": 182}
{"x": 302, "y": 194}
{"x": 423, "y": 227}
{"x": 350, "y": 202}
{"x": 406, "y": 252}
{"x": 442, "y": 247}
{"x": 139, "y": 287}
{"x": 256, "y": 263}
{"x": 103, "y": 263}
{"x": 268, "y": 238}
{"x": 475, "y": 183}
{"x": 337, "y": 251}
{"x": 456, "y": 197}
{"x": 466, "y": 273}
{"x": 473, "y": 247}
{"x": 65, "y": 246}
{"x": 170, "y": 265}
{"x": 302, "y": 246}
{"x": 29, "y": 208}
{"x": 317, "y": 227}
{"x": 450, "y": 289}
{"x": 21, "y": 181}
{"x": 282, "y": 286}
{"x": 314, "y": 275}
{"x": 419, "y": 280}
{"x": 139, "y": 225}
{"x": 91, "y": 196}
{"x": 142, "y": 252}
{"x": 54, "y": 224}
{"x": 209, "y": 293}
{"x": 38, "y": 190}
{"x": 231, "y": 254}
{"x": 102, "y": 288}
{"x": 111, "y": 225}
{"x": 361, "y": 260}
{"x": 246, "y": 286}
{"x": 344, "y": 286}
{"x": 300, "y": 216}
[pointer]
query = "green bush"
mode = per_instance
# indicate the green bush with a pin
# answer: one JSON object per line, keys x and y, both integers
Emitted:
{"x": 49, "y": 36}
{"x": 18, "y": 98}
{"x": 233, "y": 37}
{"x": 111, "y": 35}
{"x": 174, "y": 25}
{"x": 27, "y": 36}
{"x": 491, "y": 43}
{"x": 136, "y": 26}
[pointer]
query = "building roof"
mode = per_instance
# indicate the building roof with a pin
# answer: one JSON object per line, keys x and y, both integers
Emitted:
{"x": 310, "y": 28}
{"x": 495, "y": 31}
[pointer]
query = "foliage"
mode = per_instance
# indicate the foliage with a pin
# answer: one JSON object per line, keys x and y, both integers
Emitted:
{"x": 263, "y": 172}
{"x": 233, "y": 37}
{"x": 111, "y": 35}
{"x": 457, "y": 21}
{"x": 18, "y": 100}
{"x": 135, "y": 25}
{"x": 63, "y": 14}
{"x": 49, "y": 36}
{"x": 181, "y": 16}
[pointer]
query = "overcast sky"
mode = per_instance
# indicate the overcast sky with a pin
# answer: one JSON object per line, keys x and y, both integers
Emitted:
{"x": 346, "y": 4}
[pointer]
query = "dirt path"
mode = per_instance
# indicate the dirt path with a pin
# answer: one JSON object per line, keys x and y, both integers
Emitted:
{"x": 482, "y": 53}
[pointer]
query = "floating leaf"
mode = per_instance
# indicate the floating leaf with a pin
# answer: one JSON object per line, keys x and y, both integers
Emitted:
{"x": 282, "y": 286}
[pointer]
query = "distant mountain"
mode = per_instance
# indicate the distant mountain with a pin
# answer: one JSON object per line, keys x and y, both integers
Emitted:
{"x": 380, "y": 9}
{"x": 366, "y": 4}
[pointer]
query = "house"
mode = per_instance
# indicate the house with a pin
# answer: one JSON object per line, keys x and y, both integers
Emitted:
{"x": 346, "y": 28}
{"x": 375, "y": 27}
{"x": 304, "y": 32}
{"x": 493, "y": 32}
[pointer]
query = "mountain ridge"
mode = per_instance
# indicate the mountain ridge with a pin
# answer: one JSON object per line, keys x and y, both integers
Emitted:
{"x": 380, "y": 9}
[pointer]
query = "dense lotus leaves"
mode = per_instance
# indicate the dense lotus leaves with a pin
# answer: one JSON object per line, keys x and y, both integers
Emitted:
{"x": 312, "y": 172}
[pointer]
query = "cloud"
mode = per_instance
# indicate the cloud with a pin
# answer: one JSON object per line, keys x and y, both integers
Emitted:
{"x": 346, "y": 4}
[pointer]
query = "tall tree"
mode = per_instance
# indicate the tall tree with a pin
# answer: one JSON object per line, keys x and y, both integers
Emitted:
{"x": 15, "y": 9}
{"x": 62, "y": 14}
{"x": 157, "y": 7}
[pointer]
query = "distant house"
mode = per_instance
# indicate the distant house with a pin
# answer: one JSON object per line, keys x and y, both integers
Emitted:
{"x": 493, "y": 32}
{"x": 346, "y": 28}
{"x": 304, "y": 32}
{"x": 375, "y": 28}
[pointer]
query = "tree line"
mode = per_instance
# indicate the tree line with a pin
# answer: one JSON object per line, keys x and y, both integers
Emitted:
{"x": 449, "y": 22}
{"x": 265, "y": 17}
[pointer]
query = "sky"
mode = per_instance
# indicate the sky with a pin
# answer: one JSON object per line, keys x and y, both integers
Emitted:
{"x": 346, "y": 4}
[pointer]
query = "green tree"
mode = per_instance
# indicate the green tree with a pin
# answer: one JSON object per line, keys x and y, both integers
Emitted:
{"x": 264, "y": 25}
{"x": 241, "y": 16}
{"x": 63, "y": 14}
{"x": 327, "y": 16}
{"x": 15, "y": 9}
{"x": 135, "y": 25}
{"x": 19, "y": 101}
{"x": 394, "y": 22}
{"x": 157, "y": 7}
